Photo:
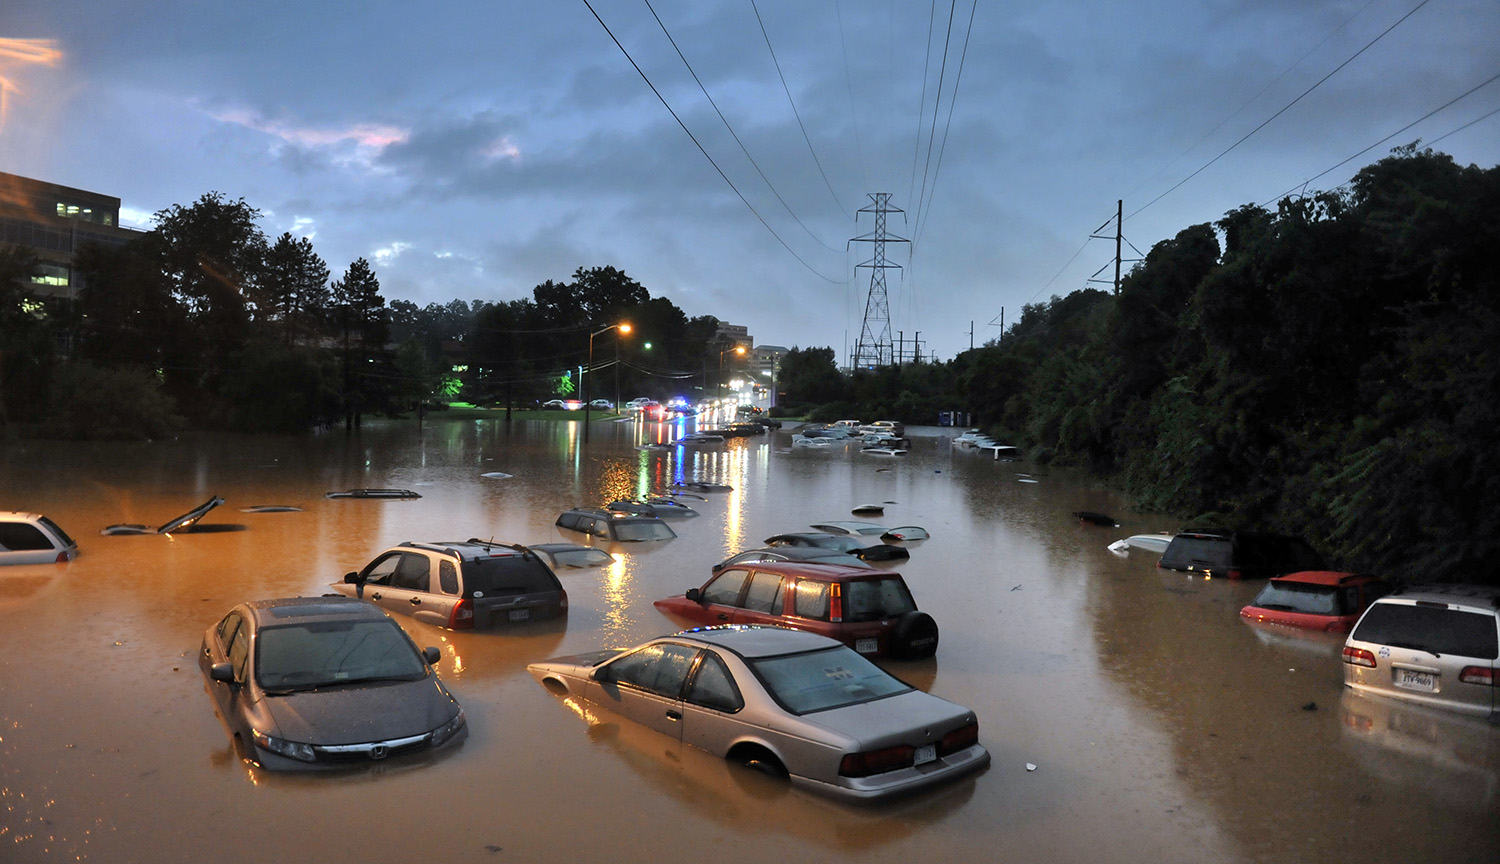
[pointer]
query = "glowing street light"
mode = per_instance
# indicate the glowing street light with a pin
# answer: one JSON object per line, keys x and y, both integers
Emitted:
{"x": 589, "y": 381}
{"x": 738, "y": 349}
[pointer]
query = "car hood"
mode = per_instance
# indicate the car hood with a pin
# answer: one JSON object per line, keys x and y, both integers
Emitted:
{"x": 575, "y": 665}
{"x": 357, "y": 714}
{"x": 889, "y": 720}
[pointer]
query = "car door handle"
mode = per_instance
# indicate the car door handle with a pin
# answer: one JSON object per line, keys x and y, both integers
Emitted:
{"x": 674, "y": 715}
{"x": 416, "y": 601}
{"x": 723, "y": 616}
{"x": 375, "y": 596}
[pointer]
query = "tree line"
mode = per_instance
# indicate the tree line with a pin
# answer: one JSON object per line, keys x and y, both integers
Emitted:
{"x": 1327, "y": 368}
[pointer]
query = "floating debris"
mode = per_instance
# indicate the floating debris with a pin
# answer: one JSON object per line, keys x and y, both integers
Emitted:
{"x": 271, "y": 508}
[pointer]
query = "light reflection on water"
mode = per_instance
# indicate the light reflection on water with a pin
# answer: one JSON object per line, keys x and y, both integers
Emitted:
{"x": 1162, "y": 727}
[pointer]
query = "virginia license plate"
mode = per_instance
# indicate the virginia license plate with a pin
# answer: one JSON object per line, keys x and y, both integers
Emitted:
{"x": 925, "y": 754}
{"x": 519, "y": 614}
{"x": 1411, "y": 679}
{"x": 867, "y": 646}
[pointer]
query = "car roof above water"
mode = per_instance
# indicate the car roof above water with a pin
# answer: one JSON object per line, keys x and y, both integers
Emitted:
{"x": 753, "y": 642}
{"x": 1456, "y": 594}
{"x": 321, "y": 608}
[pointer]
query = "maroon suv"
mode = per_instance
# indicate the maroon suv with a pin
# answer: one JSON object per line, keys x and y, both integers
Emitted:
{"x": 871, "y": 611}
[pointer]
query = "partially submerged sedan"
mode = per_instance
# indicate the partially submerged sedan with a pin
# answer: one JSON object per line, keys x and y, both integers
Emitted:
{"x": 322, "y": 682}
{"x": 788, "y": 703}
{"x": 839, "y": 542}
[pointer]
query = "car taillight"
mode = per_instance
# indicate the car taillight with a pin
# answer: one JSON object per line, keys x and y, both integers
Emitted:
{"x": 1233, "y": 574}
{"x": 1358, "y": 657}
{"x": 877, "y": 761}
{"x": 462, "y": 617}
{"x": 835, "y": 603}
{"x": 563, "y": 603}
{"x": 1484, "y": 676}
{"x": 959, "y": 739}
{"x": 62, "y": 557}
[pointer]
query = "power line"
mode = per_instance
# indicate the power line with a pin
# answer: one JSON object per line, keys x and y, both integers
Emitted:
{"x": 732, "y": 134}
{"x": 947, "y": 124}
{"x": 710, "y": 159}
{"x": 795, "y": 113}
{"x": 1283, "y": 110}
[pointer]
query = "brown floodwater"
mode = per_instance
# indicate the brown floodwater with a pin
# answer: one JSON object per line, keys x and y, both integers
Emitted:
{"x": 1160, "y": 726}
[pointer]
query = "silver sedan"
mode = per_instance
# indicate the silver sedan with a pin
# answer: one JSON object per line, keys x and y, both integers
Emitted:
{"x": 788, "y": 703}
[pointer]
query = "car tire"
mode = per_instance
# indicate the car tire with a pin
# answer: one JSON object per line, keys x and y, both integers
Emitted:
{"x": 915, "y": 637}
{"x": 760, "y": 760}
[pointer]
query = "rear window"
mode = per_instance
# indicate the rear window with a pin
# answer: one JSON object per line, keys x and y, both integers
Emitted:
{"x": 1298, "y": 597}
{"x": 1185, "y": 553}
{"x": 821, "y": 680}
{"x": 1427, "y": 628}
{"x": 57, "y": 531}
{"x": 643, "y": 530}
{"x": 874, "y": 599}
{"x": 490, "y": 577}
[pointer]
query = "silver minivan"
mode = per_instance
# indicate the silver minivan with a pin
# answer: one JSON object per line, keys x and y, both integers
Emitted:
{"x": 1436, "y": 645}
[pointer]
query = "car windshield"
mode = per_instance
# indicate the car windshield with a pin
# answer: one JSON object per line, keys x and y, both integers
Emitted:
{"x": 875, "y": 599}
{"x": 1299, "y": 597}
{"x": 1427, "y": 628}
{"x": 507, "y": 575}
{"x": 823, "y": 680}
{"x": 643, "y": 530}
{"x": 309, "y": 655}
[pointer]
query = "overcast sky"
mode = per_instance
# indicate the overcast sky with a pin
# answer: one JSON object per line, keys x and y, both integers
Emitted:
{"x": 472, "y": 150}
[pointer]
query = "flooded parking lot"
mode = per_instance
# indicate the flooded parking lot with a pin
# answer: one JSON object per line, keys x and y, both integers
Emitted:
{"x": 1131, "y": 714}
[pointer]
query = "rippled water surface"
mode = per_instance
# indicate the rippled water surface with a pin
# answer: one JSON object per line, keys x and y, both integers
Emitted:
{"x": 1161, "y": 727}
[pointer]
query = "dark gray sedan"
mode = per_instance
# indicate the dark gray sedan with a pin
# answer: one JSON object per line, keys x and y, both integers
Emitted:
{"x": 789, "y": 703}
{"x": 320, "y": 682}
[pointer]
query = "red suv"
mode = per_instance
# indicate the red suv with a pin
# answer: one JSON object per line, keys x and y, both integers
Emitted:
{"x": 871, "y": 611}
{"x": 1324, "y": 600}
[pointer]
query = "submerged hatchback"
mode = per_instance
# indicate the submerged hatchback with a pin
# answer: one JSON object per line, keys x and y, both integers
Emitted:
{"x": 1438, "y": 645}
{"x": 460, "y": 585}
{"x": 1325, "y": 600}
{"x": 31, "y": 538}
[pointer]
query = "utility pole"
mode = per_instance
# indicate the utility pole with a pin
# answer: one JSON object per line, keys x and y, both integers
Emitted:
{"x": 1119, "y": 236}
{"x": 874, "y": 346}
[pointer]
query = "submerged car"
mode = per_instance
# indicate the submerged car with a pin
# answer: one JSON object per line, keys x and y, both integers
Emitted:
{"x": 870, "y": 529}
{"x": 1325, "y": 600}
{"x": 661, "y": 508}
{"x": 322, "y": 682}
{"x": 871, "y": 611}
{"x": 1222, "y": 554}
{"x": 788, "y": 703}
{"x": 621, "y": 527}
{"x": 460, "y": 585}
{"x": 1438, "y": 645}
{"x": 31, "y": 538}
{"x": 808, "y": 555}
{"x": 187, "y": 522}
{"x": 571, "y": 555}
{"x": 839, "y": 542}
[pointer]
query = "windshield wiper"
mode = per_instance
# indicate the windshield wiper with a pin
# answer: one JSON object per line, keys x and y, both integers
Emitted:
{"x": 1414, "y": 646}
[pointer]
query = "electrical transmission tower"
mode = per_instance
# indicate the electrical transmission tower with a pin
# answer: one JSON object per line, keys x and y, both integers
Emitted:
{"x": 874, "y": 346}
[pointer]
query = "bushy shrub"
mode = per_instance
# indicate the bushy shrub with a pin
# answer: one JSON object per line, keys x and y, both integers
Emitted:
{"x": 126, "y": 403}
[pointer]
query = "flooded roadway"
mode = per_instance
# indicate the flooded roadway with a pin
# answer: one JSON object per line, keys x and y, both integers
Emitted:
{"x": 1161, "y": 727}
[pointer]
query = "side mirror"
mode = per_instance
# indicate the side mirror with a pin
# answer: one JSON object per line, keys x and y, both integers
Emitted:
{"x": 222, "y": 672}
{"x": 694, "y": 595}
{"x": 432, "y": 655}
{"x": 352, "y": 579}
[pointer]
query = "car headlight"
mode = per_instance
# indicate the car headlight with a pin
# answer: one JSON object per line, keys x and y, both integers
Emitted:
{"x": 283, "y": 747}
{"x": 449, "y": 729}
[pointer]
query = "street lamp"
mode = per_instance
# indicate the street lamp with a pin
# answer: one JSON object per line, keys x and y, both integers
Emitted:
{"x": 738, "y": 349}
{"x": 589, "y": 381}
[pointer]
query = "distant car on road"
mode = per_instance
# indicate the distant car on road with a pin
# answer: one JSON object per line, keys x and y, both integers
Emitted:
{"x": 871, "y": 611}
{"x": 324, "y": 682}
{"x": 602, "y": 405}
{"x": 554, "y": 405}
{"x": 790, "y": 704}
{"x": 460, "y": 585}
{"x": 31, "y": 538}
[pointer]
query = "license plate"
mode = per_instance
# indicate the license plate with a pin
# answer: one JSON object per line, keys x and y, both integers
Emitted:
{"x": 867, "y": 646}
{"x": 1413, "y": 680}
{"x": 519, "y": 614}
{"x": 925, "y": 754}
